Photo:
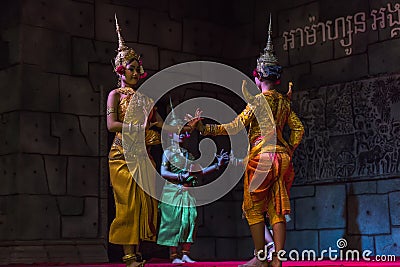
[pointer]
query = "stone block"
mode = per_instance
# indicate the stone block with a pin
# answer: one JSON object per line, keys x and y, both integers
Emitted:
{"x": 388, "y": 244}
{"x": 319, "y": 52}
{"x": 31, "y": 175}
{"x": 10, "y": 95}
{"x": 335, "y": 71}
{"x": 49, "y": 49}
{"x": 176, "y": 9}
{"x": 293, "y": 74}
{"x": 102, "y": 77}
{"x": 245, "y": 247}
{"x": 299, "y": 241}
{"x": 238, "y": 43}
{"x": 383, "y": 57}
{"x": 5, "y": 252}
{"x": 328, "y": 239}
{"x": 71, "y": 206}
{"x": 28, "y": 253}
{"x": 360, "y": 243}
{"x": 7, "y": 228}
{"x": 204, "y": 38}
{"x": 83, "y": 52}
{"x": 242, "y": 227}
{"x": 83, "y": 176}
{"x": 245, "y": 65}
{"x": 84, "y": 226}
{"x": 200, "y": 216}
{"x": 93, "y": 253}
{"x": 11, "y": 14}
{"x": 341, "y": 8}
{"x": 90, "y": 129}
{"x": 302, "y": 191}
{"x": 227, "y": 248}
{"x": 13, "y": 37}
{"x": 204, "y": 248}
{"x": 43, "y": 217}
{"x": 128, "y": 20}
{"x": 103, "y": 222}
{"x": 360, "y": 42}
{"x": 180, "y": 9}
{"x": 35, "y": 135}
{"x": 8, "y": 172}
{"x": 9, "y": 133}
{"x": 368, "y": 215}
{"x": 42, "y": 93}
{"x": 56, "y": 173}
{"x": 243, "y": 12}
{"x": 394, "y": 203}
{"x": 4, "y": 55}
{"x": 328, "y": 206}
{"x": 169, "y": 58}
{"x": 168, "y": 32}
{"x": 63, "y": 253}
{"x": 105, "y": 139}
{"x": 221, "y": 211}
{"x": 106, "y": 51}
{"x": 298, "y": 17}
{"x": 71, "y": 136}
{"x": 388, "y": 185}
{"x": 5, "y": 216}
{"x": 73, "y": 17}
{"x": 357, "y": 188}
{"x": 77, "y": 96}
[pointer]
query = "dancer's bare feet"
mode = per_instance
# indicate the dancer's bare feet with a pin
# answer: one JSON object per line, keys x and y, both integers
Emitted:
{"x": 133, "y": 260}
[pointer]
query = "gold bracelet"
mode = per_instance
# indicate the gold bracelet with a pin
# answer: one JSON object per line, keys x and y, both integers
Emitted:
{"x": 110, "y": 110}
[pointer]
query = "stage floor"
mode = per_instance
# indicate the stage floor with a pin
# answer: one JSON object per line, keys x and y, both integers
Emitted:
{"x": 162, "y": 263}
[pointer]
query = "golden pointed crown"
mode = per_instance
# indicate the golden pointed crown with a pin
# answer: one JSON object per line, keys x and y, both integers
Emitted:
{"x": 125, "y": 54}
{"x": 268, "y": 58}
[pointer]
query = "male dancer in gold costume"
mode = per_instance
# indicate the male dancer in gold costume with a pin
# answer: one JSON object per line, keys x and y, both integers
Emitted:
{"x": 271, "y": 195}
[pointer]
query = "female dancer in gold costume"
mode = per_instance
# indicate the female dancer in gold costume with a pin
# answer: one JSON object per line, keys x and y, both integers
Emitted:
{"x": 136, "y": 211}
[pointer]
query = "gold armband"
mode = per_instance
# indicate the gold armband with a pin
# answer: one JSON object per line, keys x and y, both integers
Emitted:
{"x": 110, "y": 110}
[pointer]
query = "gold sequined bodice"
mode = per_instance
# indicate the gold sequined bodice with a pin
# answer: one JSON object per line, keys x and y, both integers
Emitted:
{"x": 131, "y": 109}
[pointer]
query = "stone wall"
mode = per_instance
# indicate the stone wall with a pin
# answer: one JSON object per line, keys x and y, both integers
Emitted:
{"x": 348, "y": 163}
{"x": 55, "y": 75}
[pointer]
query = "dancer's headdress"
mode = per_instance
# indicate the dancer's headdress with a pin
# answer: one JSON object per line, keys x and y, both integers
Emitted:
{"x": 125, "y": 54}
{"x": 267, "y": 64}
{"x": 174, "y": 121}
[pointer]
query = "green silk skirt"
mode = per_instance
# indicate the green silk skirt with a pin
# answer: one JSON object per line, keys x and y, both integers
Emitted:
{"x": 178, "y": 216}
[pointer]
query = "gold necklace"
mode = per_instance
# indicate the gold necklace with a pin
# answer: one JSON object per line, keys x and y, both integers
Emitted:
{"x": 126, "y": 90}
